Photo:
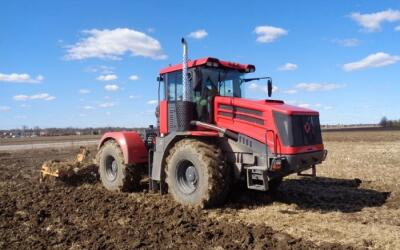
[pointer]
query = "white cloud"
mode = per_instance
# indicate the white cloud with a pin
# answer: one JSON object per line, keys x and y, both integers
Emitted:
{"x": 106, "y": 105}
{"x": 134, "y": 96}
{"x": 112, "y": 44}
{"x": 21, "y": 97}
{"x": 318, "y": 86}
{"x": 134, "y": 78}
{"x": 288, "y": 67}
{"x": 376, "y": 60}
{"x": 50, "y": 98}
{"x": 111, "y": 87}
{"x": 84, "y": 91}
{"x": 89, "y": 107}
{"x": 110, "y": 77}
{"x": 4, "y": 108}
{"x": 268, "y": 34}
{"x": 20, "y": 78}
{"x": 304, "y": 105}
{"x": 41, "y": 96}
{"x": 102, "y": 69}
{"x": 152, "y": 102}
{"x": 198, "y": 34}
{"x": 290, "y": 91}
{"x": 255, "y": 87}
{"x": 397, "y": 28}
{"x": 372, "y": 22}
{"x": 349, "y": 42}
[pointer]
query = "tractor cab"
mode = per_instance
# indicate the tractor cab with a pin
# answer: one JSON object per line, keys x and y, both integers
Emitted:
{"x": 207, "y": 78}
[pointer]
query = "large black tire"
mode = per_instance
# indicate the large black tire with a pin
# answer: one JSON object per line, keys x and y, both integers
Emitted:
{"x": 114, "y": 173}
{"x": 196, "y": 174}
{"x": 274, "y": 184}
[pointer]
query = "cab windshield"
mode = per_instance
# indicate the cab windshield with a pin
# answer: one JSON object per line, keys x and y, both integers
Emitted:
{"x": 222, "y": 82}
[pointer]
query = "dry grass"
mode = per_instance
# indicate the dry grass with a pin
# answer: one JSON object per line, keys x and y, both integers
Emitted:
{"x": 356, "y": 201}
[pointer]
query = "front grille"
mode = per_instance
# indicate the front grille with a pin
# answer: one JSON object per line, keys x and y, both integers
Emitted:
{"x": 298, "y": 130}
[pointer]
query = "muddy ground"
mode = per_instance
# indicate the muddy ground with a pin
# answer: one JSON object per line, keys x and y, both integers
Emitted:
{"x": 346, "y": 208}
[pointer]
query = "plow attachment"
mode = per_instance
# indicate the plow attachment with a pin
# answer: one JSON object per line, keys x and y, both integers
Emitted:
{"x": 65, "y": 169}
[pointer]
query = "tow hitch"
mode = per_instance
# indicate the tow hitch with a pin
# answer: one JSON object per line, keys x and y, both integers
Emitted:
{"x": 313, "y": 172}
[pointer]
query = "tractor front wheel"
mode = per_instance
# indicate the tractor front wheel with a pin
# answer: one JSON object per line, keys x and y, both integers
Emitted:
{"x": 274, "y": 184}
{"x": 114, "y": 173}
{"x": 196, "y": 174}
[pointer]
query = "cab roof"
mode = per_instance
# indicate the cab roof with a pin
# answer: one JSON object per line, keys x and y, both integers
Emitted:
{"x": 213, "y": 62}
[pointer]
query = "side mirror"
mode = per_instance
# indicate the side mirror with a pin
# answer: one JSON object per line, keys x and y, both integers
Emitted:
{"x": 269, "y": 83}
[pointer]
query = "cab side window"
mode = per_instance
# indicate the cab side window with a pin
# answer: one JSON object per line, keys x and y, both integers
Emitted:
{"x": 174, "y": 86}
{"x": 226, "y": 88}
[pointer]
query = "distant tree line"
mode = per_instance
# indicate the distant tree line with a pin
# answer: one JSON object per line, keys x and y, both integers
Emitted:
{"x": 386, "y": 123}
{"x": 26, "y": 131}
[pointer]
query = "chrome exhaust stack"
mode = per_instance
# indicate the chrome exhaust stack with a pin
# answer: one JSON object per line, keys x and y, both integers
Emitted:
{"x": 181, "y": 110}
{"x": 185, "y": 81}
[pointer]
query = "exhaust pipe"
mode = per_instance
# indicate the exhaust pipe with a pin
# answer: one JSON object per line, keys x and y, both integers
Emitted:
{"x": 224, "y": 131}
{"x": 184, "y": 109}
{"x": 185, "y": 81}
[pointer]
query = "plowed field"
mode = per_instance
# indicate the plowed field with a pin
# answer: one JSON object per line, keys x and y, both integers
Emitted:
{"x": 354, "y": 203}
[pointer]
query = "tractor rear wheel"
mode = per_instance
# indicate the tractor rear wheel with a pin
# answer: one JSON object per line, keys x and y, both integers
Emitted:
{"x": 196, "y": 174}
{"x": 114, "y": 173}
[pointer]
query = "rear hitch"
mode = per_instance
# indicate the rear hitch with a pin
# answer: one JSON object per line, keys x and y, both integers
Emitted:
{"x": 313, "y": 172}
{"x": 325, "y": 155}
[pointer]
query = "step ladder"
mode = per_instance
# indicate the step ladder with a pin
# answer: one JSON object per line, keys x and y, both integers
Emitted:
{"x": 257, "y": 178}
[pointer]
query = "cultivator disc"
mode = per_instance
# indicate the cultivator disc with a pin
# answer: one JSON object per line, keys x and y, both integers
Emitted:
{"x": 64, "y": 169}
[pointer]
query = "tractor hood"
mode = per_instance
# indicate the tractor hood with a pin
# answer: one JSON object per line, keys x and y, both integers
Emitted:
{"x": 262, "y": 119}
{"x": 280, "y": 106}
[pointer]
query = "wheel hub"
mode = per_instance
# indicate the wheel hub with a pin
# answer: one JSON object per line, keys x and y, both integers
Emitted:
{"x": 187, "y": 177}
{"x": 111, "y": 168}
{"x": 191, "y": 174}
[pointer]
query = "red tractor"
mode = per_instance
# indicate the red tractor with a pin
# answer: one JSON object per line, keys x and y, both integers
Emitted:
{"x": 209, "y": 137}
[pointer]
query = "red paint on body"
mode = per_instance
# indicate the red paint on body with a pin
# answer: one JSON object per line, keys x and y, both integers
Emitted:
{"x": 164, "y": 117}
{"x": 265, "y": 132}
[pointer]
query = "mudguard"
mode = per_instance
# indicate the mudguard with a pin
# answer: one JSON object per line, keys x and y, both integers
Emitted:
{"x": 132, "y": 146}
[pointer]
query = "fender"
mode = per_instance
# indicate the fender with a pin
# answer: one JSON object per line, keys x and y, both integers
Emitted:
{"x": 132, "y": 146}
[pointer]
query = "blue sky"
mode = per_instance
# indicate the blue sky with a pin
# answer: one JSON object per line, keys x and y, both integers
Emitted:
{"x": 94, "y": 63}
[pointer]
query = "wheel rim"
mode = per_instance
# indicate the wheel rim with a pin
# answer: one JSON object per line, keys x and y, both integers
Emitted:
{"x": 187, "y": 177}
{"x": 111, "y": 168}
